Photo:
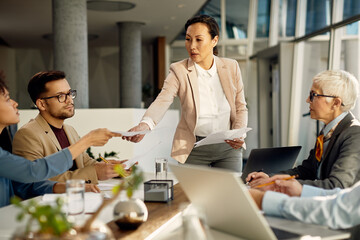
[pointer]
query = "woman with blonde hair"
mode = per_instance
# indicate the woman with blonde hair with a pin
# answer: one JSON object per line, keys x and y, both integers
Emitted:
{"x": 335, "y": 160}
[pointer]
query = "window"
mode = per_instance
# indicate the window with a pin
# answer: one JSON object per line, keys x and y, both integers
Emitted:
{"x": 351, "y": 8}
{"x": 287, "y": 18}
{"x": 263, "y": 19}
{"x": 237, "y": 16}
{"x": 317, "y": 15}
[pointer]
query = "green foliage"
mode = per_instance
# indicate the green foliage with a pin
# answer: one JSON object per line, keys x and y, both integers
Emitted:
{"x": 106, "y": 154}
{"x": 130, "y": 182}
{"x": 89, "y": 152}
{"x": 51, "y": 219}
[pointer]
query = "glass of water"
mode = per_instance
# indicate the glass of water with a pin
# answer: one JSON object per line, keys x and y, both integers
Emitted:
{"x": 75, "y": 191}
{"x": 161, "y": 168}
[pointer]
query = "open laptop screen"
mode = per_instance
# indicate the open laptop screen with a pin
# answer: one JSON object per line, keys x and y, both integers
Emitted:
{"x": 270, "y": 160}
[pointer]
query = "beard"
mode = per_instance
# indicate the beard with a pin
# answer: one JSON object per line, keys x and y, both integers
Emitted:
{"x": 64, "y": 114}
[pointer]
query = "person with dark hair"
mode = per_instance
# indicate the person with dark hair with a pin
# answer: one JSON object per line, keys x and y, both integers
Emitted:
{"x": 7, "y": 134}
{"x": 211, "y": 93}
{"x": 25, "y": 178}
{"x": 47, "y": 133}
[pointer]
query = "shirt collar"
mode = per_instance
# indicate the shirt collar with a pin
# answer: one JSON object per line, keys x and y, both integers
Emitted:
{"x": 334, "y": 122}
{"x": 209, "y": 73}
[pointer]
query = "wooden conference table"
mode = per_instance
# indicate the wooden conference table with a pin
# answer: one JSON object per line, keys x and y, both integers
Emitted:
{"x": 164, "y": 221}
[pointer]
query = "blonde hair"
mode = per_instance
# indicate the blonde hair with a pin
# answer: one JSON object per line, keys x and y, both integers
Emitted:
{"x": 341, "y": 84}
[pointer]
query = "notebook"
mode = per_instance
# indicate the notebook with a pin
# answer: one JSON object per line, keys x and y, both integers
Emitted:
{"x": 270, "y": 160}
{"x": 229, "y": 208}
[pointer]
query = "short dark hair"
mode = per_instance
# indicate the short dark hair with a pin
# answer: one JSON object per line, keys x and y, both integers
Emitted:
{"x": 210, "y": 23}
{"x": 37, "y": 83}
{"x": 3, "y": 86}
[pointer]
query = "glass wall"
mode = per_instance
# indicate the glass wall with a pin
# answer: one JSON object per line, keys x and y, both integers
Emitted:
{"x": 287, "y": 18}
{"x": 351, "y": 8}
{"x": 243, "y": 35}
{"x": 263, "y": 19}
{"x": 350, "y": 55}
{"x": 317, "y": 15}
{"x": 237, "y": 17}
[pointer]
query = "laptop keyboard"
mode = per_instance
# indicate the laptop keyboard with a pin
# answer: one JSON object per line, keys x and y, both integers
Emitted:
{"x": 281, "y": 234}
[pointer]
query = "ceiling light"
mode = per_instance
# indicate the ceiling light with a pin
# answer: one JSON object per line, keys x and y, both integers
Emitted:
{"x": 109, "y": 6}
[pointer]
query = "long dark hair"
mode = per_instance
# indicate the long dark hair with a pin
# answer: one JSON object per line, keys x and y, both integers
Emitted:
{"x": 210, "y": 23}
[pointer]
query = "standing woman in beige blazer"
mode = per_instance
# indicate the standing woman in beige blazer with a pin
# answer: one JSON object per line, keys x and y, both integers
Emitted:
{"x": 212, "y": 99}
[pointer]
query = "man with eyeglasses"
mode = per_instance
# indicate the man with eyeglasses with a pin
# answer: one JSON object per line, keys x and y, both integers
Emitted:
{"x": 47, "y": 133}
{"x": 335, "y": 160}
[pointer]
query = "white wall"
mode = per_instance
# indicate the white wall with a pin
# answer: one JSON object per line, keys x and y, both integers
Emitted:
{"x": 159, "y": 140}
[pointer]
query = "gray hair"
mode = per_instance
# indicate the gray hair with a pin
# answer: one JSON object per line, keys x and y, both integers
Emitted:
{"x": 341, "y": 84}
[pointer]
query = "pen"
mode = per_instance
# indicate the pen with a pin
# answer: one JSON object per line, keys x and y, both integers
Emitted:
{"x": 104, "y": 159}
{"x": 260, "y": 170}
{"x": 269, "y": 183}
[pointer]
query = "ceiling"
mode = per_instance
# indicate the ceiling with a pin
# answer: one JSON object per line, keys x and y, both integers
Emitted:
{"x": 24, "y": 22}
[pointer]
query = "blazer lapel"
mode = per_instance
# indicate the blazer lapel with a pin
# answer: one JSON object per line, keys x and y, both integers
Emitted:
{"x": 343, "y": 124}
{"x": 46, "y": 127}
{"x": 192, "y": 77}
{"x": 226, "y": 81}
{"x": 72, "y": 139}
{"x": 70, "y": 136}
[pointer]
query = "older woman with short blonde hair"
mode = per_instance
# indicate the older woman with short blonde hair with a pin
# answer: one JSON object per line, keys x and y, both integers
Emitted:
{"x": 335, "y": 160}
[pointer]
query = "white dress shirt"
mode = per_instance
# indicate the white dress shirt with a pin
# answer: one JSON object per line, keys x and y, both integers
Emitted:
{"x": 214, "y": 110}
{"x": 335, "y": 208}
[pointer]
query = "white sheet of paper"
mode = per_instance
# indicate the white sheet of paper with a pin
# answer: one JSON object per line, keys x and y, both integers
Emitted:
{"x": 129, "y": 163}
{"x": 130, "y": 134}
{"x": 92, "y": 200}
{"x": 105, "y": 186}
{"x": 220, "y": 137}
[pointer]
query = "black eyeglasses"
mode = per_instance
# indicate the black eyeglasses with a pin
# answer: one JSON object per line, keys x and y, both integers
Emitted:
{"x": 312, "y": 95}
{"x": 63, "y": 96}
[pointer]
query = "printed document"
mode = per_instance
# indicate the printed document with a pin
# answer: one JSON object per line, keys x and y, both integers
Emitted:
{"x": 220, "y": 137}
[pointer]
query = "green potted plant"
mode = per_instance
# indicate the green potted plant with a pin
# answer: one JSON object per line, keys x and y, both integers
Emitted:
{"x": 51, "y": 223}
{"x": 50, "y": 220}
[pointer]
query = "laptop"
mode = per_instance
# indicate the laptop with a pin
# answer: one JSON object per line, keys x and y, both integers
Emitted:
{"x": 229, "y": 207}
{"x": 270, "y": 160}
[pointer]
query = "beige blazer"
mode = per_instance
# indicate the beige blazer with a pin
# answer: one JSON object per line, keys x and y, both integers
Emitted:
{"x": 36, "y": 140}
{"x": 182, "y": 82}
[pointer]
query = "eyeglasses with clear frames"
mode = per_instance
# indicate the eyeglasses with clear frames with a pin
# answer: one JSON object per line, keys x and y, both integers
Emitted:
{"x": 312, "y": 95}
{"x": 63, "y": 96}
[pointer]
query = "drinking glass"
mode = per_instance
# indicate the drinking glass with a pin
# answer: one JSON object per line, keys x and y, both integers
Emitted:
{"x": 75, "y": 191}
{"x": 161, "y": 168}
